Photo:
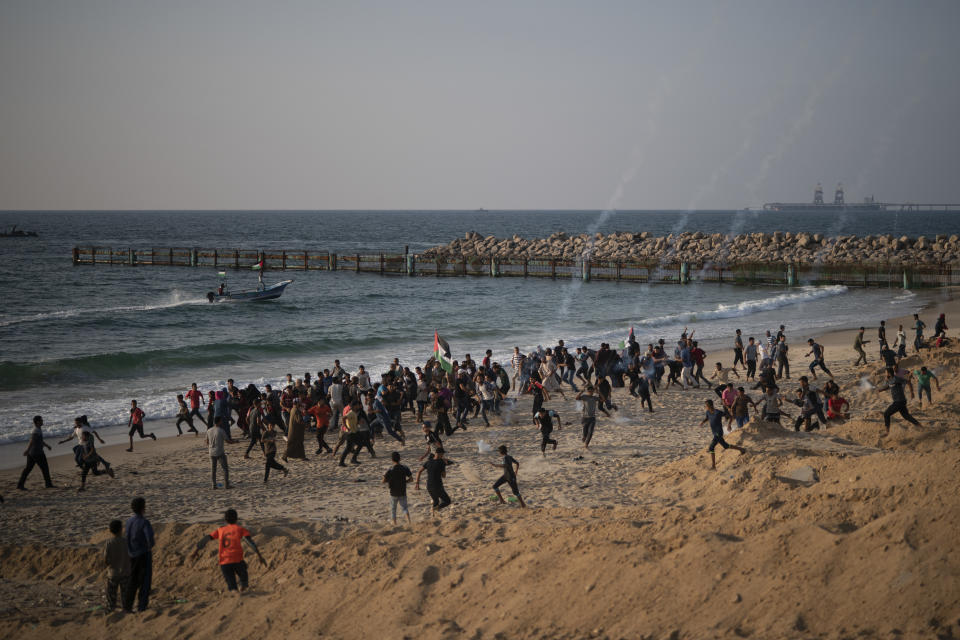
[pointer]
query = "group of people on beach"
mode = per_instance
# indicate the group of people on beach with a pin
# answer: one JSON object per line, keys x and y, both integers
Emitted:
{"x": 358, "y": 412}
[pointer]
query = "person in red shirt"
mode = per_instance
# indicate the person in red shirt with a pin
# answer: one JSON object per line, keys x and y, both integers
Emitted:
{"x": 321, "y": 412}
{"x": 136, "y": 423}
{"x": 195, "y": 396}
{"x": 230, "y": 551}
{"x": 838, "y": 408}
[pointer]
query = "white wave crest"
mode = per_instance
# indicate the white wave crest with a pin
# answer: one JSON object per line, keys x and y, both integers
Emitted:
{"x": 748, "y": 307}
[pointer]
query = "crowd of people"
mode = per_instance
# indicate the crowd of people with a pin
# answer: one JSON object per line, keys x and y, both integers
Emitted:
{"x": 357, "y": 413}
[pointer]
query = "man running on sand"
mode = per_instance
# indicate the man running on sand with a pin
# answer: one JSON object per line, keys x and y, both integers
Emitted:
{"x": 899, "y": 405}
{"x": 589, "y": 403}
{"x": 436, "y": 468}
{"x": 817, "y": 352}
{"x": 136, "y": 423}
{"x": 715, "y": 418}
{"x": 510, "y": 467}
{"x": 544, "y": 422}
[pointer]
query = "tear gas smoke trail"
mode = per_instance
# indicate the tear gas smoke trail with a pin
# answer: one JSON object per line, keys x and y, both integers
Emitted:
{"x": 654, "y": 108}
{"x": 711, "y": 184}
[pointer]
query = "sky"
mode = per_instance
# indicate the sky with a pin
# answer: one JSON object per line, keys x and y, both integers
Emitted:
{"x": 232, "y": 104}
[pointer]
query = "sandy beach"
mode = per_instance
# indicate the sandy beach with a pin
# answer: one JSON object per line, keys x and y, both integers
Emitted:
{"x": 836, "y": 533}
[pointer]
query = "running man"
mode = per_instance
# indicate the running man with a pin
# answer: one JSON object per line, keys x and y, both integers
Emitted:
{"x": 721, "y": 374}
{"x": 899, "y": 405}
{"x": 183, "y": 415}
{"x": 436, "y": 468}
{"x": 817, "y": 352}
{"x": 230, "y": 551}
{"x": 544, "y": 421}
{"x": 195, "y": 396}
{"x": 397, "y": 478}
{"x": 510, "y": 467}
{"x": 589, "y": 404}
{"x": 924, "y": 376}
{"x": 715, "y": 418}
{"x": 136, "y": 423}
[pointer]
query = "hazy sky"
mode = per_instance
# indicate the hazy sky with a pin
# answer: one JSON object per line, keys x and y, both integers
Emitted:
{"x": 278, "y": 104}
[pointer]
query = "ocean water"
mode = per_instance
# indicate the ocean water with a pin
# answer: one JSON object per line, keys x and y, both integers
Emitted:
{"x": 87, "y": 340}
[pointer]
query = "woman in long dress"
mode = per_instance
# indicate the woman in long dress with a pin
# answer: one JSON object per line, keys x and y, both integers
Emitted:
{"x": 295, "y": 430}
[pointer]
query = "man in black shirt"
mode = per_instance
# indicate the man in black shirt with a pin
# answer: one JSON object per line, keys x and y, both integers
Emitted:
{"x": 436, "y": 468}
{"x": 397, "y": 478}
{"x": 899, "y": 405}
{"x": 510, "y": 467}
{"x": 36, "y": 456}
{"x": 545, "y": 422}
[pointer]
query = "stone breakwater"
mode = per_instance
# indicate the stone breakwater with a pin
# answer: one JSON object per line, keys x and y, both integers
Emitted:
{"x": 699, "y": 248}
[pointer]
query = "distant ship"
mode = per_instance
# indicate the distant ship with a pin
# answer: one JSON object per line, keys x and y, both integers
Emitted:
{"x": 840, "y": 204}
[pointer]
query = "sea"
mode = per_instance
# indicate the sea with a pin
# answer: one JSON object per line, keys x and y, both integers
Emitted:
{"x": 87, "y": 340}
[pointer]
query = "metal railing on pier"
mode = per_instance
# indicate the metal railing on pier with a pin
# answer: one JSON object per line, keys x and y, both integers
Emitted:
{"x": 408, "y": 264}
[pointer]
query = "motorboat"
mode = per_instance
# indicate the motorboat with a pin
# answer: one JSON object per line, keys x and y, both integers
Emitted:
{"x": 270, "y": 292}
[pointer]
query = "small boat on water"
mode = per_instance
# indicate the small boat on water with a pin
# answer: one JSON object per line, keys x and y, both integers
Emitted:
{"x": 17, "y": 233}
{"x": 251, "y": 295}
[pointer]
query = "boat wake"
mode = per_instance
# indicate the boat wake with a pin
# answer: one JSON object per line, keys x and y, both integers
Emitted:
{"x": 176, "y": 299}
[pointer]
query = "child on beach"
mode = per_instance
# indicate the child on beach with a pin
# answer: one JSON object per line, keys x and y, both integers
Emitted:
{"x": 230, "y": 551}
{"x": 117, "y": 560}
{"x": 397, "y": 478}
{"x": 136, "y": 423}
{"x": 510, "y": 467}
{"x": 715, "y": 418}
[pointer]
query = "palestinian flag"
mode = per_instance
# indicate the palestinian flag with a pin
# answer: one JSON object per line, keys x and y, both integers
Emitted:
{"x": 623, "y": 343}
{"x": 441, "y": 351}
{"x": 258, "y": 266}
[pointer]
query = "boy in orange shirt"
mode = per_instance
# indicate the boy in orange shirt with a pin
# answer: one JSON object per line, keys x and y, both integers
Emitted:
{"x": 230, "y": 552}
